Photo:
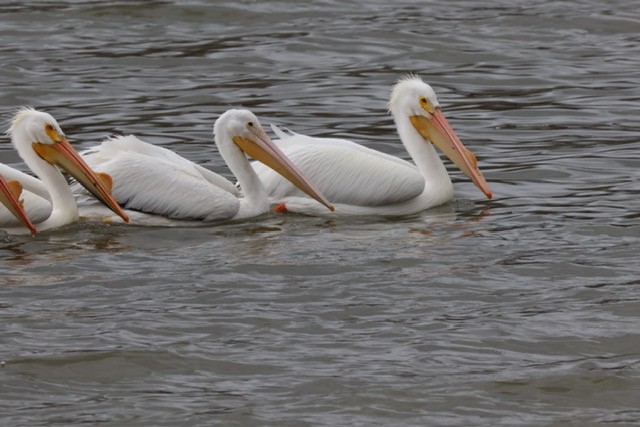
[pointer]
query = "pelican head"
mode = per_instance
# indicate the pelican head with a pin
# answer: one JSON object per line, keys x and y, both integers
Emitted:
{"x": 413, "y": 98}
{"x": 34, "y": 131}
{"x": 34, "y": 126}
{"x": 244, "y": 130}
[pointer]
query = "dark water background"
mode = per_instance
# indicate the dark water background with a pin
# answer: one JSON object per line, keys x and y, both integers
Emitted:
{"x": 523, "y": 310}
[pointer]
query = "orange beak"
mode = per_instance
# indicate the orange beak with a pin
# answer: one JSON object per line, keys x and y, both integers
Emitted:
{"x": 438, "y": 130}
{"x": 10, "y": 197}
{"x": 63, "y": 155}
{"x": 262, "y": 149}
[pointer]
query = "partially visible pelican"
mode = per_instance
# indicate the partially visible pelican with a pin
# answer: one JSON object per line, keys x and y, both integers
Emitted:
{"x": 362, "y": 181}
{"x": 158, "y": 187}
{"x": 10, "y": 197}
{"x": 42, "y": 145}
{"x": 35, "y": 196}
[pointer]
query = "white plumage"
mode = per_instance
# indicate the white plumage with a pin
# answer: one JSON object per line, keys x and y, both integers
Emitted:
{"x": 159, "y": 187}
{"x": 351, "y": 165}
{"x": 341, "y": 166}
{"x": 43, "y": 147}
{"x": 156, "y": 181}
{"x": 362, "y": 181}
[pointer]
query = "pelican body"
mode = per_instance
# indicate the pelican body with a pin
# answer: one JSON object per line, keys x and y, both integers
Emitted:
{"x": 44, "y": 148}
{"x": 159, "y": 187}
{"x": 362, "y": 181}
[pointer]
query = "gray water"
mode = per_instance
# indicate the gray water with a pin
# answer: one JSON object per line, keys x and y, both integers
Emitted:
{"x": 522, "y": 310}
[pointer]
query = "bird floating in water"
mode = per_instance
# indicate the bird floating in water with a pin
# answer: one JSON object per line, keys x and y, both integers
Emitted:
{"x": 360, "y": 181}
{"x": 158, "y": 187}
{"x": 43, "y": 147}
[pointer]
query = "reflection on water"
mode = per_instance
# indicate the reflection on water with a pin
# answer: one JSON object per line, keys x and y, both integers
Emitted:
{"x": 519, "y": 310}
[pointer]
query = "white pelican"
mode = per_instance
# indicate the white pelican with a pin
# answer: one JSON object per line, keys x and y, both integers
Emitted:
{"x": 362, "y": 181}
{"x": 10, "y": 197}
{"x": 158, "y": 187}
{"x": 42, "y": 146}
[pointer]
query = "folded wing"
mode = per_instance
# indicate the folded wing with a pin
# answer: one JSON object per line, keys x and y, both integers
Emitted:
{"x": 345, "y": 172}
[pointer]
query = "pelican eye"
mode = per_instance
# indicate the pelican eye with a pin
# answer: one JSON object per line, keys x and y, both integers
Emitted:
{"x": 250, "y": 124}
{"x": 426, "y": 105}
{"x": 52, "y": 132}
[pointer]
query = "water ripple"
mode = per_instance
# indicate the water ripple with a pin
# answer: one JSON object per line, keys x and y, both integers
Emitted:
{"x": 517, "y": 311}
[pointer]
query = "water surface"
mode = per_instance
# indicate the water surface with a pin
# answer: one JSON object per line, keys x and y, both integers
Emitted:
{"x": 522, "y": 310}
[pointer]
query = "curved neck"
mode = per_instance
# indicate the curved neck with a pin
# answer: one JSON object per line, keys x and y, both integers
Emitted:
{"x": 30, "y": 183}
{"x": 426, "y": 158}
{"x": 256, "y": 199}
{"x": 63, "y": 205}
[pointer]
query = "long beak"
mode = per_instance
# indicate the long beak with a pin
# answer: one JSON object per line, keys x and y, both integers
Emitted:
{"x": 63, "y": 155}
{"x": 264, "y": 150}
{"x": 10, "y": 197}
{"x": 438, "y": 130}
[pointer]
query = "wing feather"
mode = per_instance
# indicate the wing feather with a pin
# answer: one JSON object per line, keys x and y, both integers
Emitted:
{"x": 129, "y": 144}
{"x": 157, "y": 181}
{"x": 345, "y": 172}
